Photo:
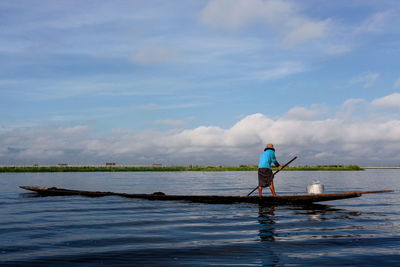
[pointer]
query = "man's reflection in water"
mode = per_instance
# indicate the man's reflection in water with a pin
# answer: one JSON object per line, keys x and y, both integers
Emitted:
{"x": 265, "y": 215}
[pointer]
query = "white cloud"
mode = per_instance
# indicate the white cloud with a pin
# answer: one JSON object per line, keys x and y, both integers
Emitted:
{"x": 388, "y": 102}
{"x": 78, "y": 129}
{"x": 335, "y": 50}
{"x": 302, "y": 113}
{"x": 155, "y": 54}
{"x": 397, "y": 83}
{"x": 175, "y": 123}
{"x": 232, "y": 14}
{"x": 375, "y": 23}
{"x": 121, "y": 131}
{"x": 350, "y": 103}
{"x": 165, "y": 107}
{"x": 294, "y": 27}
{"x": 171, "y": 123}
{"x": 367, "y": 80}
{"x": 333, "y": 139}
{"x": 306, "y": 31}
{"x": 282, "y": 70}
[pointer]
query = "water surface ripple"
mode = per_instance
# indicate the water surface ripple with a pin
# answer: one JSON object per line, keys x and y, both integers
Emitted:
{"x": 112, "y": 230}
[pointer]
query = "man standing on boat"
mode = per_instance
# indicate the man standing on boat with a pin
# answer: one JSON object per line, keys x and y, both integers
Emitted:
{"x": 265, "y": 175}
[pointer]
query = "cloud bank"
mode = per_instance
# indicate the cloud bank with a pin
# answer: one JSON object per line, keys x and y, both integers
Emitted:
{"x": 388, "y": 102}
{"x": 317, "y": 138}
{"x": 276, "y": 15}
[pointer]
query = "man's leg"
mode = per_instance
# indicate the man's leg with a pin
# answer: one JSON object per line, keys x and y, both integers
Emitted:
{"x": 260, "y": 191}
{"x": 272, "y": 188}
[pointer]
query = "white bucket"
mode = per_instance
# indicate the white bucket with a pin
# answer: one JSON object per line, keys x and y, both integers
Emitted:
{"x": 315, "y": 188}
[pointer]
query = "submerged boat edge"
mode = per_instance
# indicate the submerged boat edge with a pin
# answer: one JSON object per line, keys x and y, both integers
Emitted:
{"x": 212, "y": 199}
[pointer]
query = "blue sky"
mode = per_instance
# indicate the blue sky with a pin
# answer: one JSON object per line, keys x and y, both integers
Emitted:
{"x": 199, "y": 82}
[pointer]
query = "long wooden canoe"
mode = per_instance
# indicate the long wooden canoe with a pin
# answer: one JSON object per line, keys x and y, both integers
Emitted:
{"x": 280, "y": 199}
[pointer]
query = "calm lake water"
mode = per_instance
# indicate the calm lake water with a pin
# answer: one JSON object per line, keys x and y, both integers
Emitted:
{"x": 85, "y": 231}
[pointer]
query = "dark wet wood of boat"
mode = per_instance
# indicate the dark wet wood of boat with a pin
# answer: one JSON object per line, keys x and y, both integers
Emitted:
{"x": 280, "y": 199}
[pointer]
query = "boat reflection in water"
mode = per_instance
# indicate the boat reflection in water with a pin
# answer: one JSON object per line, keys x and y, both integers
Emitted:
{"x": 304, "y": 214}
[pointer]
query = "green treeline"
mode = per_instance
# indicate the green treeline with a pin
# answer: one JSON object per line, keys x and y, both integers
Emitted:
{"x": 169, "y": 168}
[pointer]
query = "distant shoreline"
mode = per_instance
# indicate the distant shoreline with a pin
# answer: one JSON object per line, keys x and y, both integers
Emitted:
{"x": 116, "y": 168}
{"x": 387, "y": 167}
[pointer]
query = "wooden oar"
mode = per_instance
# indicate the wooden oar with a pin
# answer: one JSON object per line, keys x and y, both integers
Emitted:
{"x": 274, "y": 173}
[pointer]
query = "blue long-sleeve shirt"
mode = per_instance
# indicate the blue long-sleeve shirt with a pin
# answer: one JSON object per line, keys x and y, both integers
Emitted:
{"x": 267, "y": 158}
